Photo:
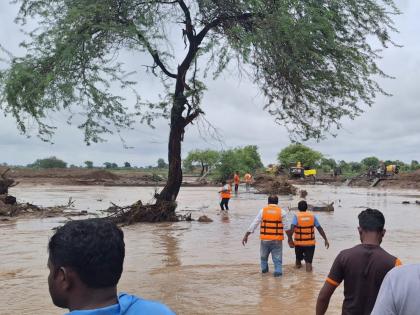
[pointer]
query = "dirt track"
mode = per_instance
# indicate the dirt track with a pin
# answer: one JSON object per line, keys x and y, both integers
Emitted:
{"x": 80, "y": 176}
{"x": 84, "y": 177}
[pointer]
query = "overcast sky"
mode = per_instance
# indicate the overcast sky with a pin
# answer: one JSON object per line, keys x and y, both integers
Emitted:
{"x": 389, "y": 130}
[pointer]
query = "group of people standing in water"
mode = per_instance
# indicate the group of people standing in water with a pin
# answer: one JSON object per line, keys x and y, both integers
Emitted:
{"x": 361, "y": 268}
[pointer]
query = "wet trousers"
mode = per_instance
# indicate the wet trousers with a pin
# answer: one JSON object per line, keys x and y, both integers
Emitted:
{"x": 224, "y": 204}
{"x": 275, "y": 248}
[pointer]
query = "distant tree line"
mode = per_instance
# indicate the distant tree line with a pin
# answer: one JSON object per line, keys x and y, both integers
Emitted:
{"x": 54, "y": 162}
{"x": 222, "y": 164}
{"x": 300, "y": 153}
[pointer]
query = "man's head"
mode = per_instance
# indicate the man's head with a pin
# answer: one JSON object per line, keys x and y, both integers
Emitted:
{"x": 302, "y": 205}
{"x": 273, "y": 200}
{"x": 371, "y": 224}
{"x": 84, "y": 255}
{"x": 223, "y": 182}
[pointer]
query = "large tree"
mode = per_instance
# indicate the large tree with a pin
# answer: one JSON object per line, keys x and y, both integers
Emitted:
{"x": 206, "y": 159}
{"x": 313, "y": 60}
{"x": 294, "y": 153}
{"x": 242, "y": 159}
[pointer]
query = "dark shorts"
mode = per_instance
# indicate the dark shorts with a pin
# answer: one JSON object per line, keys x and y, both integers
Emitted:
{"x": 305, "y": 253}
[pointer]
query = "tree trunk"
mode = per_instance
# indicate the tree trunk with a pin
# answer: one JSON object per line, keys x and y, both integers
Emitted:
{"x": 202, "y": 169}
{"x": 176, "y": 135}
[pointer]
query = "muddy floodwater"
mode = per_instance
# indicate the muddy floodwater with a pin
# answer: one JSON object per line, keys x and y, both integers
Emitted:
{"x": 202, "y": 268}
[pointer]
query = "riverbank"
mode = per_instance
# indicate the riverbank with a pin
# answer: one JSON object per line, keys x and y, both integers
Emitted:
{"x": 141, "y": 178}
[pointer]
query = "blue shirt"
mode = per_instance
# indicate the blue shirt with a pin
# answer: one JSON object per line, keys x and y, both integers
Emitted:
{"x": 129, "y": 305}
{"x": 316, "y": 223}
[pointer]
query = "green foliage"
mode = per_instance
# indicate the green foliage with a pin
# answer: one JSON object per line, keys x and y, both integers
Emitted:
{"x": 356, "y": 167}
{"x": 202, "y": 158}
{"x": 161, "y": 163}
{"x": 109, "y": 165}
{"x": 370, "y": 162}
{"x": 299, "y": 153}
{"x": 89, "y": 164}
{"x": 50, "y": 162}
{"x": 244, "y": 160}
{"x": 313, "y": 60}
{"x": 127, "y": 165}
{"x": 328, "y": 164}
{"x": 414, "y": 165}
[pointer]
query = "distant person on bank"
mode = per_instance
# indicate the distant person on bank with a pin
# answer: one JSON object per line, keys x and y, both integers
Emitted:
{"x": 303, "y": 226}
{"x": 236, "y": 181}
{"x": 273, "y": 224}
{"x": 85, "y": 262}
{"x": 248, "y": 181}
{"x": 225, "y": 195}
{"x": 362, "y": 268}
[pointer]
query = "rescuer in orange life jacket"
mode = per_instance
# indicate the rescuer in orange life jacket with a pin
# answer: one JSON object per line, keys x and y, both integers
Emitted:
{"x": 225, "y": 195}
{"x": 236, "y": 181}
{"x": 303, "y": 226}
{"x": 273, "y": 224}
{"x": 248, "y": 181}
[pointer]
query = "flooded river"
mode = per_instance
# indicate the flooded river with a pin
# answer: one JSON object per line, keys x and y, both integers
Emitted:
{"x": 202, "y": 268}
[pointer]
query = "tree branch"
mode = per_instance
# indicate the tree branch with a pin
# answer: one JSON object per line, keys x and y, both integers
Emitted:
{"x": 192, "y": 116}
{"x": 153, "y": 52}
{"x": 221, "y": 19}
{"x": 189, "y": 28}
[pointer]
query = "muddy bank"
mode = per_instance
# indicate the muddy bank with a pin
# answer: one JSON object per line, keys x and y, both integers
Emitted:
{"x": 102, "y": 177}
{"x": 398, "y": 181}
{"x": 273, "y": 185}
{"x": 83, "y": 177}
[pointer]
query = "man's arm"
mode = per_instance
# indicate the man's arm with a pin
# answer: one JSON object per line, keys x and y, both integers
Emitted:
{"x": 252, "y": 227}
{"x": 321, "y": 231}
{"x": 324, "y": 236}
{"x": 224, "y": 189}
{"x": 324, "y": 298}
{"x": 333, "y": 280}
{"x": 245, "y": 239}
{"x": 290, "y": 236}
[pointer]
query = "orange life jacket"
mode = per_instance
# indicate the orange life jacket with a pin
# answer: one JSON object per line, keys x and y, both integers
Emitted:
{"x": 271, "y": 224}
{"x": 248, "y": 178}
{"x": 236, "y": 179}
{"x": 226, "y": 193}
{"x": 304, "y": 230}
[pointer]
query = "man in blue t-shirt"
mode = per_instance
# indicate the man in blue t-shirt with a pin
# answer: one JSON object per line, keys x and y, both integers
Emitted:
{"x": 85, "y": 262}
{"x": 303, "y": 227}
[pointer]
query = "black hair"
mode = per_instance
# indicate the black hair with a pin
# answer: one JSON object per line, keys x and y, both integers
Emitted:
{"x": 302, "y": 205}
{"x": 223, "y": 182}
{"x": 93, "y": 248}
{"x": 371, "y": 220}
{"x": 273, "y": 199}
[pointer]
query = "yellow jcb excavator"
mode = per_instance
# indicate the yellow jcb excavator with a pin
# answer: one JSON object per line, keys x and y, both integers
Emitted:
{"x": 299, "y": 171}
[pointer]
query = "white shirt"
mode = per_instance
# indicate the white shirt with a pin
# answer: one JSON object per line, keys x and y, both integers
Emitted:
{"x": 258, "y": 219}
{"x": 225, "y": 187}
{"x": 399, "y": 293}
